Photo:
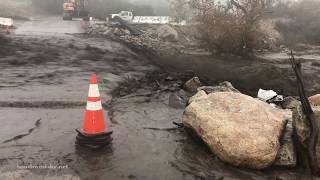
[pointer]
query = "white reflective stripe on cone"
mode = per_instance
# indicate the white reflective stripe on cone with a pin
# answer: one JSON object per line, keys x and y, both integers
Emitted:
{"x": 94, "y": 106}
{"x": 93, "y": 90}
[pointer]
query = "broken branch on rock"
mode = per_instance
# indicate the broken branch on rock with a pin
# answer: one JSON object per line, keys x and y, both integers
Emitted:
{"x": 308, "y": 154}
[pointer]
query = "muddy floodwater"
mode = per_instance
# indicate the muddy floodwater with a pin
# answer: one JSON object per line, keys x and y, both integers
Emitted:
{"x": 44, "y": 80}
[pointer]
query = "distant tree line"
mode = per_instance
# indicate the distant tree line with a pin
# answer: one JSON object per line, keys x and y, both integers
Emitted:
{"x": 98, "y": 8}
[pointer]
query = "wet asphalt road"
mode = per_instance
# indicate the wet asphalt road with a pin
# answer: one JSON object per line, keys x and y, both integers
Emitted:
{"x": 44, "y": 80}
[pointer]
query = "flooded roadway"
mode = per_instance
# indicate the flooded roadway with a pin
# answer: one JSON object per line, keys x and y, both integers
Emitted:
{"x": 44, "y": 81}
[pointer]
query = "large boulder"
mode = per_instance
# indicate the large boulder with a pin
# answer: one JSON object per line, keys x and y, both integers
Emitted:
{"x": 239, "y": 129}
{"x": 167, "y": 33}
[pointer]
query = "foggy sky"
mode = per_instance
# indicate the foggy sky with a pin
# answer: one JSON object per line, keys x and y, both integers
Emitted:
{"x": 161, "y": 7}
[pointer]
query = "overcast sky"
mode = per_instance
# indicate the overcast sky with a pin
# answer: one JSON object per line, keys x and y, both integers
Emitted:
{"x": 152, "y": 2}
{"x": 161, "y": 7}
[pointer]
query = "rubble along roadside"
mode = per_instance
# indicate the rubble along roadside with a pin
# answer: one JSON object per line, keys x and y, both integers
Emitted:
{"x": 160, "y": 39}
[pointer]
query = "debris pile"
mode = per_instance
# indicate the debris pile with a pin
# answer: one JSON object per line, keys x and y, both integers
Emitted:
{"x": 108, "y": 30}
{"x": 159, "y": 39}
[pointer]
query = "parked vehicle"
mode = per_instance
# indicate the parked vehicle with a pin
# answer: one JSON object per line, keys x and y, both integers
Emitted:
{"x": 123, "y": 15}
{"x": 74, "y": 8}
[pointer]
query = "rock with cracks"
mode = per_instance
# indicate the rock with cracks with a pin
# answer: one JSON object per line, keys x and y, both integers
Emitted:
{"x": 239, "y": 129}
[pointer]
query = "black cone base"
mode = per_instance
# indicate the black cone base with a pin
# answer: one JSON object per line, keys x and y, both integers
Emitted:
{"x": 93, "y": 141}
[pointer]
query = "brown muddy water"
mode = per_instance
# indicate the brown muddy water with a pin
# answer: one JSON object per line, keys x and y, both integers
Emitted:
{"x": 43, "y": 88}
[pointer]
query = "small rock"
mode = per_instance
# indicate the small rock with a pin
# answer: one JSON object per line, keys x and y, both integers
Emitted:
{"x": 126, "y": 32}
{"x": 290, "y": 103}
{"x": 315, "y": 100}
{"x": 222, "y": 87}
{"x": 192, "y": 85}
{"x": 228, "y": 84}
{"x": 167, "y": 33}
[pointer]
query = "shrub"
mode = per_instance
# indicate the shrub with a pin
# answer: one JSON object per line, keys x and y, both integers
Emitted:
{"x": 232, "y": 27}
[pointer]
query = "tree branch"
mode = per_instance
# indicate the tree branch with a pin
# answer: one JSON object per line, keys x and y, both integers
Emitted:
{"x": 311, "y": 142}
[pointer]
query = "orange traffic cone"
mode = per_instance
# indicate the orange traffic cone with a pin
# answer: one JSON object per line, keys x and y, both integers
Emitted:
{"x": 94, "y": 116}
{"x": 94, "y": 131}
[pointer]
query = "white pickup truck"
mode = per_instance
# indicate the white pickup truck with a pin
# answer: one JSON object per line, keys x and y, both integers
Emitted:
{"x": 124, "y": 15}
{"x": 127, "y": 16}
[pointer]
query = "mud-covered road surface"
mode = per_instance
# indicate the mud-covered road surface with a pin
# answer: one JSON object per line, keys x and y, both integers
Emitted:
{"x": 269, "y": 70}
{"x": 43, "y": 87}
